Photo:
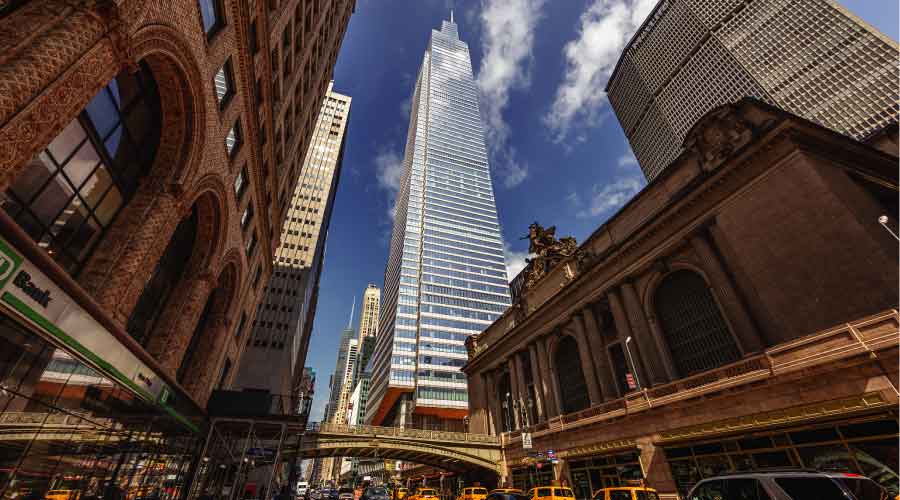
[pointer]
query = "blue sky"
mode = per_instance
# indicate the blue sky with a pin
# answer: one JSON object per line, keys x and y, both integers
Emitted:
{"x": 558, "y": 154}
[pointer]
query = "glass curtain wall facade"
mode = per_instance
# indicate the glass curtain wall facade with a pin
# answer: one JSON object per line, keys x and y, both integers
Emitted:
{"x": 446, "y": 275}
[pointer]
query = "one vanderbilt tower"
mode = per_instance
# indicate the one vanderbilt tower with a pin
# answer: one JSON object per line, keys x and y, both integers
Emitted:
{"x": 446, "y": 276}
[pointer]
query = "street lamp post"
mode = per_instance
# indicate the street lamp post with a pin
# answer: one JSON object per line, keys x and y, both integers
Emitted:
{"x": 883, "y": 220}
{"x": 506, "y": 410}
{"x": 631, "y": 361}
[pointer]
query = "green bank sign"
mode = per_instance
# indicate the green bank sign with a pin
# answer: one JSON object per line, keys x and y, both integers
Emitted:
{"x": 29, "y": 294}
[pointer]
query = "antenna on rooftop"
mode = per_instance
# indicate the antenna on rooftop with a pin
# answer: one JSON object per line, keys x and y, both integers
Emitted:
{"x": 352, "y": 308}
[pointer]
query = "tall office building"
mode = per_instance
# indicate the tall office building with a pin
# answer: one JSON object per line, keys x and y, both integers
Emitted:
{"x": 810, "y": 57}
{"x": 446, "y": 277}
{"x": 276, "y": 349}
{"x": 339, "y": 396}
{"x": 368, "y": 318}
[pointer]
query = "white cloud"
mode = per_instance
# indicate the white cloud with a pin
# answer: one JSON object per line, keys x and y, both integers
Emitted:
{"x": 515, "y": 261}
{"x": 627, "y": 160}
{"x": 508, "y": 36}
{"x": 606, "y": 27}
{"x": 389, "y": 171}
{"x": 607, "y": 198}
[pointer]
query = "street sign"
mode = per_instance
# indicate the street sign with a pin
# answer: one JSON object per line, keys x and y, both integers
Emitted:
{"x": 526, "y": 440}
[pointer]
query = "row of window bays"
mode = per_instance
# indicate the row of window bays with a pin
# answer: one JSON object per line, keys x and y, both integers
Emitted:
{"x": 84, "y": 178}
{"x": 611, "y": 347}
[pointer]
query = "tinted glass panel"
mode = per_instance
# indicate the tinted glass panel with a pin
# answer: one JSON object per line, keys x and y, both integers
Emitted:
{"x": 810, "y": 488}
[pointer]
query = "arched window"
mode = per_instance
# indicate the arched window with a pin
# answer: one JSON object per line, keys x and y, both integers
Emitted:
{"x": 572, "y": 386}
{"x": 692, "y": 324}
{"x": 70, "y": 193}
{"x": 199, "y": 331}
{"x": 165, "y": 277}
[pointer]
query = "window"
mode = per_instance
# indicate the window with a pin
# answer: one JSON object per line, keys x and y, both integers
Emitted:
{"x": 211, "y": 13}
{"x": 712, "y": 490}
{"x": 746, "y": 489}
{"x": 254, "y": 40}
{"x": 690, "y": 317}
{"x": 240, "y": 183}
{"x": 251, "y": 245}
{"x": 810, "y": 488}
{"x": 247, "y": 216}
{"x": 72, "y": 191}
{"x": 233, "y": 139}
{"x": 224, "y": 82}
{"x": 572, "y": 383}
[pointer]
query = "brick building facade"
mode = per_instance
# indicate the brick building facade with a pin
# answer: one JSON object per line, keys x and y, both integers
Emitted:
{"x": 148, "y": 151}
{"x": 740, "y": 312}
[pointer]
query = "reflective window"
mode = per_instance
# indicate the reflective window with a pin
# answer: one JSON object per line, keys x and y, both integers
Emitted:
{"x": 572, "y": 385}
{"x": 72, "y": 191}
{"x": 233, "y": 139}
{"x": 211, "y": 13}
{"x": 224, "y": 82}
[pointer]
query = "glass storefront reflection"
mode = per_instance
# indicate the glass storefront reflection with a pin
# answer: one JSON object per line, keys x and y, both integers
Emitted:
{"x": 67, "y": 431}
{"x": 866, "y": 447}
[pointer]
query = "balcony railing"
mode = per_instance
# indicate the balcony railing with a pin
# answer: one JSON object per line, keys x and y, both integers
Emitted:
{"x": 865, "y": 336}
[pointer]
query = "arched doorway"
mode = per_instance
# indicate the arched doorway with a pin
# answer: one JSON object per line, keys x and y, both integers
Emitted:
{"x": 72, "y": 191}
{"x": 573, "y": 389}
{"x": 166, "y": 275}
{"x": 198, "y": 369}
{"x": 693, "y": 326}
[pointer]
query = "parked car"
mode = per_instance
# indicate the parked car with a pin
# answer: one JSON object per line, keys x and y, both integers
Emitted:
{"x": 506, "y": 494}
{"x": 551, "y": 493}
{"x": 346, "y": 494}
{"x": 400, "y": 493}
{"x": 789, "y": 485}
{"x": 473, "y": 493}
{"x": 375, "y": 493}
{"x": 627, "y": 493}
{"x": 425, "y": 494}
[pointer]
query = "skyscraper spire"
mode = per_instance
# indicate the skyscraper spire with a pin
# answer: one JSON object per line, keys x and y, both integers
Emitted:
{"x": 451, "y": 15}
{"x": 352, "y": 308}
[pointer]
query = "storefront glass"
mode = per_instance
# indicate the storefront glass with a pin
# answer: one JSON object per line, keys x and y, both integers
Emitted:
{"x": 866, "y": 446}
{"x": 65, "y": 427}
{"x": 525, "y": 478}
{"x": 592, "y": 473}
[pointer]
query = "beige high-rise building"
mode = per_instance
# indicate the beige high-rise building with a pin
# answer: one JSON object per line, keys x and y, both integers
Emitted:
{"x": 812, "y": 58}
{"x": 368, "y": 318}
{"x": 276, "y": 349}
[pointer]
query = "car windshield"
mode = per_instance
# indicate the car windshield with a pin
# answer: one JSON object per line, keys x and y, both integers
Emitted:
{"x": 376, "y": 491}
{"x": 563, "y": 492}
{"x": 479, "y": 491}
{"x": 810, "y": 488}
{"x": 426, "y": 492}
{"x": 345, "y": 490}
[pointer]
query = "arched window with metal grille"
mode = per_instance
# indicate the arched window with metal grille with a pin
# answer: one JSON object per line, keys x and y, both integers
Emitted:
{"x": 572, "y": 385}
{"x": 693, "y": 326}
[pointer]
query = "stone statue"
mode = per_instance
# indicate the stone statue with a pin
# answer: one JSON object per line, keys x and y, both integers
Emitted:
{"x": 548, "y": 251}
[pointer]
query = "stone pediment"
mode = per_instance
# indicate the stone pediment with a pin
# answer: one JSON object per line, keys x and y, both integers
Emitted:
{"x": 725, "y": 130}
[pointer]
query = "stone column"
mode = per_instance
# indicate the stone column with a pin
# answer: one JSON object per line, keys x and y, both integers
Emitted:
{"x": 201, "y": 376}
{"x": 749, "y": 340}
{"x": 598, "y": 352}
{"x": 169, "y": 340}
{"x": 553, "y": 380}
{"x": 537, "y": 378}
{"x": 641, "y": 332}
{"x": 587, "y": 362}
{"x": 523, "y": 390}
{"x": 623, "y": 330}
{"x": 492, "y": 403}
{"x": 550, "y": 408}
{"x": 512, "y": 401}
{"x": 120, "y": 267}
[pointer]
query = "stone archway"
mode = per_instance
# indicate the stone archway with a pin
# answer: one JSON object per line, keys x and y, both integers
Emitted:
{"x": 124, "y": 261}
{"x": 209, "y": 340}
{"x": 170, "y": 337}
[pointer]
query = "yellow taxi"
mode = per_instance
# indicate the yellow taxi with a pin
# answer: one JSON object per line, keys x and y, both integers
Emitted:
{"x": 473, "y": 493}
{"x": 425, "y": 494}
{"x": 626, "y": 493}
{"x": 510, "y": 491}
{"x": 551, "y": 493}
{"x": 62, "y": 495}
{"x": 400, "y": 493}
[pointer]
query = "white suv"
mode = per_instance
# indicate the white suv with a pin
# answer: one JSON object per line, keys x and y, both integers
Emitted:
{"x": 788, "y": 486}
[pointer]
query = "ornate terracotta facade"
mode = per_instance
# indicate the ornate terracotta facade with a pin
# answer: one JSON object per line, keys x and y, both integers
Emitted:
{"x": 57, "y": 55}
{"x": 748, "y": 288}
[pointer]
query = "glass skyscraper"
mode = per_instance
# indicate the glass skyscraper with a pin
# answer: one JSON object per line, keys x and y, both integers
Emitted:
{"x": 446, "y": 276}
